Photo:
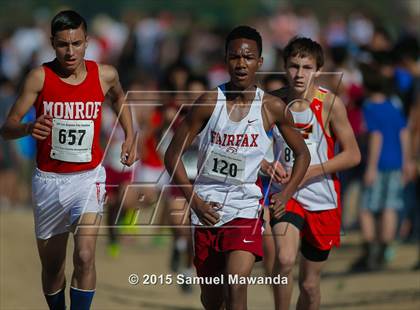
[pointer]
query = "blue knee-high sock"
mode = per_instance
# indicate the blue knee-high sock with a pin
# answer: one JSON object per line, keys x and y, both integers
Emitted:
{"x": 57, "y": 300}
{"x": 80, "y": 299}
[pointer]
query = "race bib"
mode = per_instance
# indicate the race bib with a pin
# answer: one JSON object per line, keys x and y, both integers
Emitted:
{"x": 288, "y": 157}
{"x": 72, "y": 140}
{"x": 225, "y": 167}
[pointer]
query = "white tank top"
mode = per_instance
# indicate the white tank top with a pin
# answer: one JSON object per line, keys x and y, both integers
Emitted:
{"x": 321, "y": 193}
{"x": 229, "y": 158}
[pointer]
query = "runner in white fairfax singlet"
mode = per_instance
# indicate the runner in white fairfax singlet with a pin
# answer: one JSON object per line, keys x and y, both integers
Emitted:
{"x": 231, "y": 124}
{"x": 230, "y": 154}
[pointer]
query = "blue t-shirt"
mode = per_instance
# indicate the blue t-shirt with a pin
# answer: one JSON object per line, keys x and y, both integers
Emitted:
{"x": 388, "y": 119}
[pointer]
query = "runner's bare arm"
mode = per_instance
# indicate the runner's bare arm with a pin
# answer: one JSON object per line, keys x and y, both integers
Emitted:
{"x": 184, "y": 135}
{"x": 13, "y": 128}
{"x": 284, "y": 122}
{"x": 115, "y": 92}
{"x": 349, "y": 156}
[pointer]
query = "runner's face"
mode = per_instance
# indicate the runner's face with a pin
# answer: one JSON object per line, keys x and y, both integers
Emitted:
{"x": 300, "y": 71}
{"x": 243, "y": 61}
{"x": 70, "y": 47}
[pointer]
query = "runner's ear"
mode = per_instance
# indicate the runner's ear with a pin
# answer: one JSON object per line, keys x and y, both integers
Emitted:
{"x": 260, "y": 62}
{"x": 318, "y": 72}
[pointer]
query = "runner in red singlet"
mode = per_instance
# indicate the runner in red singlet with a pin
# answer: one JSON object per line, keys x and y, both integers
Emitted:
{"x": 68, "y": 185}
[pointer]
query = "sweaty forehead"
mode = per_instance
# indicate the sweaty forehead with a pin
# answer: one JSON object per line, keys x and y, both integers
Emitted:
{"x": 70, "y": 35}
{"x": 242, "y": 45}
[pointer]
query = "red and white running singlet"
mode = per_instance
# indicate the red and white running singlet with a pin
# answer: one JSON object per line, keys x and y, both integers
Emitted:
{"x": 229, "y": 158}
{"x": 323, "y": 192}
{"x": 76, "y": 110}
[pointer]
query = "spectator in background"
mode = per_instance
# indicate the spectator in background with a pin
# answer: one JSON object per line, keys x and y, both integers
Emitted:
{"x": 388, "y": 162}
{"x": 118, "y": 178}
{"x": 335, "y": 32}
{"x": 348, "y": 82}
{"x": 308, "y": 24}
{"x": 149, "y": 33}
{"x": 8, "y": 154}
{"x": 381, "y": 40}
{"x": 360, "y": 28}
{"x": 407, "y": 81}
{"x": 149, "y": 172}
{"x": 127, "y": 56}
{"x": 284, "y": 25}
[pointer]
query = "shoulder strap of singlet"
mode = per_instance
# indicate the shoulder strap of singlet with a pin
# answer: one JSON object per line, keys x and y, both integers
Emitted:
{"x": 222, "y": 88}
{"x": 92, "y": 66}
{"x": 256, "y": 106}
{"x": 221, "y": 97}
{"x": 48, "y": 69}
{"x": 259, "y": 95}
{"x": 92, "y": 69}
{"x": 317, "y": 106}
{"x": 93, "y": 79}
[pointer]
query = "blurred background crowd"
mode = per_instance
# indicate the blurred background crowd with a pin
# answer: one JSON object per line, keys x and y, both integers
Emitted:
{"x": 179, "y": 46}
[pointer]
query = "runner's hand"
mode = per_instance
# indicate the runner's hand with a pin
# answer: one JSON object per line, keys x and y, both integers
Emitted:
{"x": 129, "y": 151}
{"x": 275, "y": 171}
{"x": 278, "y": 172}
{"x": 277, "y": 206}
{"x": 206, "y": 212}
{"x": 41, "y": 128}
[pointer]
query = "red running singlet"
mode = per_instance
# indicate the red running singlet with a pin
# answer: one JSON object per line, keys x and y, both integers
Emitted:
{"x": 73, "y": 144}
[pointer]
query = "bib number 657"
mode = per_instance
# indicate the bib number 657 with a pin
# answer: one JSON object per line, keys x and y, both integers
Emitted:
{"x": 71, "y": 136}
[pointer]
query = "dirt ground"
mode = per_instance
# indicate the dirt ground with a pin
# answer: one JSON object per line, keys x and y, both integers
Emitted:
{"x": 20, "y": 287}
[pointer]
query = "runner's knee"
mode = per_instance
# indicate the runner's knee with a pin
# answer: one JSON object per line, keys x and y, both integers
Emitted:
{"x": 309, "y": 287}
{"x": 286, "y": 261}
{"x": 54, "y": 269}
{"x": 84, "y": 259}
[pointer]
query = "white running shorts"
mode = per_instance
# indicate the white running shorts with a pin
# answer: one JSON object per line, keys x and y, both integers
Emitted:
{"x": 61, "y": 198}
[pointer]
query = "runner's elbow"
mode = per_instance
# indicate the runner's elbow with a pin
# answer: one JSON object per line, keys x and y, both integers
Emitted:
{"x": 169, "y": 160}
{"x": 353, "y": 158}
{"x": 306, "y": 157}
{"x": 356, "y": 158}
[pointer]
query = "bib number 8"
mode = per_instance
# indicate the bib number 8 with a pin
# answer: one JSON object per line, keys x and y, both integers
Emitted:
{"x": 288, "y": 155}
{"x": 69, "y": 136}
{"x": 232, "y": 171}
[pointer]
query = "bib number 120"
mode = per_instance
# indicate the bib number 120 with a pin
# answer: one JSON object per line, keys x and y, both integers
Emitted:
{"x": 71, "y": 136}
{"x": 229, "y": 169}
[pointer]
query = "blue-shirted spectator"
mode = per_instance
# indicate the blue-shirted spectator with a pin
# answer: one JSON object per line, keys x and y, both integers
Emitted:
{"x": 386, "y": 172}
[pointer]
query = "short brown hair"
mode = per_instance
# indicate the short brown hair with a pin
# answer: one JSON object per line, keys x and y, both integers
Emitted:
{"x": 304, "y": 47}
